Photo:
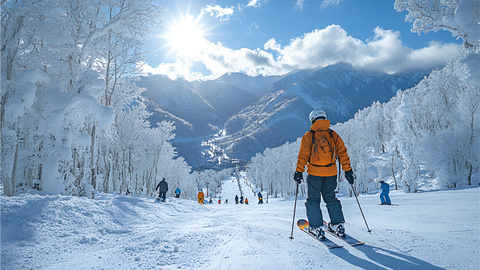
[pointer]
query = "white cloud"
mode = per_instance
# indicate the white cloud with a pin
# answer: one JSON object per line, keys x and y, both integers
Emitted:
{"x": 272, "y": 44}
{"x": 299, "y": 4}
{"x": 178, "y": 69}
{"x": 315, "y": 49}
{"x": 434, "y": 55}
{"x": 252, "y": 28}
{"x": 253, "y": 3}
{"x": 327, "y": 3}
{"x": 220, "y": 60}
{"x": 385, "y": 52}
{"x": 222, "y": 14}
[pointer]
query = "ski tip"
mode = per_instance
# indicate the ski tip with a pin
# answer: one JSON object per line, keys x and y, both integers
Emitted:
{"x": 302, "y": 223}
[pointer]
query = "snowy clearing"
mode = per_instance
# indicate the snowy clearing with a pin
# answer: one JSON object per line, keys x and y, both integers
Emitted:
{"x": 430, "y": 230}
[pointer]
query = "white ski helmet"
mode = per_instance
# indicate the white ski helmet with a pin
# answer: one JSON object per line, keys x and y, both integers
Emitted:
{"x": 317, "y": 114}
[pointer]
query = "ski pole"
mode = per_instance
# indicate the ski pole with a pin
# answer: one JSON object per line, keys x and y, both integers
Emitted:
{"x": 294, "y": 210}
{"x": 355, "y": 193}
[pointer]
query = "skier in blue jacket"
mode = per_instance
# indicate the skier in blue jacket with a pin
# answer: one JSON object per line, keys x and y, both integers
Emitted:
{"x": 177, "y": 192}
{"x": 384, "y": 198}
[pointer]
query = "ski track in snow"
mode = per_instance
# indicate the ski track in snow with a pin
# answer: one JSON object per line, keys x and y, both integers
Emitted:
{"x": 431, "y": 230}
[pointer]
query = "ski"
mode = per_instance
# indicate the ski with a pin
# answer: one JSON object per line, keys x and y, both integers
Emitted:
{"x": 158, "y": 199}
{"x": 303, "y": 224}
{"x": 347, "y": 238}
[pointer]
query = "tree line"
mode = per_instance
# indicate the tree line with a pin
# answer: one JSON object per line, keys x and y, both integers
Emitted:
{"x": 72, "y": 119}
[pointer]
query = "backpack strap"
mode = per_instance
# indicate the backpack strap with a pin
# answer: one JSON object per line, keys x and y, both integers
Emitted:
{"x": 313, "y": 144}
{"x": 313, "y": 136}
{"x": 334, "y": 144}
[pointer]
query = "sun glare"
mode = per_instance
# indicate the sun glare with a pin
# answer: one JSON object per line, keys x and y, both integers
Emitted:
{"x": 185, "y": 36}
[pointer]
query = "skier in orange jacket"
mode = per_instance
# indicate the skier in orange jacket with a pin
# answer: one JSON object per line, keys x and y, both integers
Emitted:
{"x": 319, "y": 150}
{"x": 200, "y": 197}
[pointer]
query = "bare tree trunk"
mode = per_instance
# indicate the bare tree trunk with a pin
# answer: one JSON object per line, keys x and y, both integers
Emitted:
{"x": 11, "y": 185}
{"x": 114, "y": 170}
{"x": 93, "y": 180}
{"x": 130, "y": 171}
{"x": 107, "y": 78}
{"x": 472, "y": 130}
{"x": 77, "y": 182}
{"x": 393, "y": 173}
{"x": 106, "y": 174}
{"x": 401, "y": 176}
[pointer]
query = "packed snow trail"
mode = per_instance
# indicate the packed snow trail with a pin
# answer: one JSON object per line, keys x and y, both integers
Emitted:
{"x": 431, "y": 230}
{"x": 237, "y": 186}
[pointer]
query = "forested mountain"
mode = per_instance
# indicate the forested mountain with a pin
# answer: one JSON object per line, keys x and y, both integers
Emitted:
{"x": 203, "y": 107}
{"x": 282, "y": 116}
{"x": 265, "y": 112}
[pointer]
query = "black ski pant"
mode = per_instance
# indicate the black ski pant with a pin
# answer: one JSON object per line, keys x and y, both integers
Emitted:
{"x": 163, "y": 195}
{"x": 325, "y": 187}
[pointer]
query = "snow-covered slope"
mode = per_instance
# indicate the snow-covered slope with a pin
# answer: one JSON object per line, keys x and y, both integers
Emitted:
{"x": 178, "y": 101}
{"x": 431, "y": 230}
{"x": 226, "y": 98}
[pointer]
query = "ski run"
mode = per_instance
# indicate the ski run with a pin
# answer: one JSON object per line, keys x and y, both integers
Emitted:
{"x": 427, "y": 230}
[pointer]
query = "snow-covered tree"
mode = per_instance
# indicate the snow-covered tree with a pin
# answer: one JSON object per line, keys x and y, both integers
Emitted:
{"x": 460, "y": 17}
{"x": 436, "y": 128}
{"x": 273, "y": 170}
{"x": 71, "y": 119}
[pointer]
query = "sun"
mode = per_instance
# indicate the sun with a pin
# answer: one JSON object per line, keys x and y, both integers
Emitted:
{"x": 185, "y": 36}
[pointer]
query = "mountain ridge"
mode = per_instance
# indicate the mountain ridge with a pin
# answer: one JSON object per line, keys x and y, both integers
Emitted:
{"x": 260, "y": 112}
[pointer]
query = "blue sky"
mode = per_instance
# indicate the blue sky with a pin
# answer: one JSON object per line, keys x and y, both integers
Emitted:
{"x": 206, "y": 39}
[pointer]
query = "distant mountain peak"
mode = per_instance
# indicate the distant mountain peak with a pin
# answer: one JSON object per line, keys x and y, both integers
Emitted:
{"x": 266, "y": 111}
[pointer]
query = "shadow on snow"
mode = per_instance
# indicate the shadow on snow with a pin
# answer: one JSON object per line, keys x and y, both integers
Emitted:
{"x": 383, "y": 259}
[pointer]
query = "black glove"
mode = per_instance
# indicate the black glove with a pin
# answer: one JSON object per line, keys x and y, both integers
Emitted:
{"x": 350, "y": 177}
{"x": 298, "y": 177}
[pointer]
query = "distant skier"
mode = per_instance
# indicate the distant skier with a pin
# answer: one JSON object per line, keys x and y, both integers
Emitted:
{"x": 211, "y": 200}
{"x": 319, "y": 149}
{"x": 162, "y": 188}
{"x": 200, "y": 197}
{"x": 260, "y": 198}
{"x": 241, "y": 199}
{"x": 384, "y": 198}
{"x": 226, "y": 201}
{"x": 246, "y": 200}
{"x": 236, "y": 199}
{"x": 177, "y": 192}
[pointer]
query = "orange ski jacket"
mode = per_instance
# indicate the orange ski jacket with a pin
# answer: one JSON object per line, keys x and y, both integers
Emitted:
{"x": 306, "y": 151}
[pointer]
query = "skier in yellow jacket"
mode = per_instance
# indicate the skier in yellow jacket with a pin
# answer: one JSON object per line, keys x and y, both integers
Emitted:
{"x": 319, "y": 150}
